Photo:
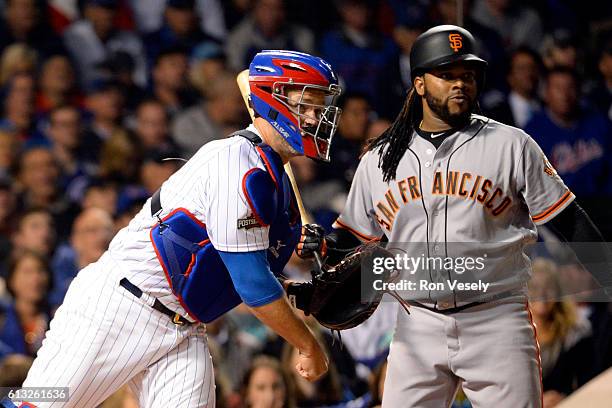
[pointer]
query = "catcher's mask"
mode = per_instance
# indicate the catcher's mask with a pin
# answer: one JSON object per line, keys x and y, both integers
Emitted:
{"x": 296, "y": 93}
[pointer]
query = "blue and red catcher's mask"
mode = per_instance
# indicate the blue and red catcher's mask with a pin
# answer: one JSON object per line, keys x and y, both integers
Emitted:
{"x": 306, "y": 126}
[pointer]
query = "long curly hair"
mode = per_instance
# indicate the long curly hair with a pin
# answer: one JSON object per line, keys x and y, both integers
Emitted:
{"x": 394, "y": 141}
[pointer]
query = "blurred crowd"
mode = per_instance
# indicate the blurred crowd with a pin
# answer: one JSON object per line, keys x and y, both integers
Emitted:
{"x": 102, "y": 100}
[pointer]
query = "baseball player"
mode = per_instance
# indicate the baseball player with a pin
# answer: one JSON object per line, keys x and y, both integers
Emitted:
{"x": 441, "y": 175}
{"x": 213, "y": 236}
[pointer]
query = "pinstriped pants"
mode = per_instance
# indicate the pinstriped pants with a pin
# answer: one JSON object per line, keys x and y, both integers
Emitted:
{"x": 103, "y": 337}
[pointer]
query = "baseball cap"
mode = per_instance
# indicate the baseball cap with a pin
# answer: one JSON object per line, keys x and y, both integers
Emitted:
{"x": 159, "y": 154}
{"x": 181, "y": 4}
{"x": 207, "y": 50}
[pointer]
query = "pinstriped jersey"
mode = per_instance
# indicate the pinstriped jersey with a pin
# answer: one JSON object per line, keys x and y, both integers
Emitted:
{"x": 209, "y": 186}
{"x": 488, "y": 183}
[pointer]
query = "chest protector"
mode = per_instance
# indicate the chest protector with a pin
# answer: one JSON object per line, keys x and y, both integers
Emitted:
{"x": 196, "y": 274}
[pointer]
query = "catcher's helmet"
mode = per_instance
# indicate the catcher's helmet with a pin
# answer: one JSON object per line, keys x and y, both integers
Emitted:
{"x": 442, "y": 45}
{"x": 271, "y": 74}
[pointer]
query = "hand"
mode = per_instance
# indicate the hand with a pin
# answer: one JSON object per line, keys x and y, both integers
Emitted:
{"x": 312, "y": 365}
{"x": 311, "y": 241}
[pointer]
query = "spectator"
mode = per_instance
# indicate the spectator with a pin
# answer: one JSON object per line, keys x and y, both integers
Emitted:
{"x": 92, "y": 231}
{"x": 516, "y": 24}
{"x": 170, "y": 85}
{"x": 266, "y": 27}
{"x": 119, "y": 68}
{"x": 566, "y": 344}
{"x": 180, "y": 29}
{"x": 22, "y": 22}
{"x": 9, "y": 150}
{"x": 573, "y": 139}
{"x": 101, "y": 194}
{"x": 18, "y": 106}
{"x": 601, "y": 96}
{"x": 404, "y": 35}
{"x": 38, "y": 176}
{"x": 64, "y": 133}
{"x": 120, "y": 158}
{"x": 26, "y": 319}
{"x": 265, "y": 384}
{"x": 152, "y": 130}
{"x": 349, "y": 139}
{"x": 14, "y": 370}
{"x": 17, "y": 59}
{"x": 221, "y": 113}
{"x": 149, "y": 16}
{"x": 377, "y": 384}
{"x": 93, "y": 38}
{"x": 104, "y": 102}
{"x": 155, "y": 169}
{"x": 362, "y": 57}
{"x": 34, "y": 233}
{"x": 559, "y": 49}
{"x": 7, "y": 216}
{"x": 207, "y": 63}
{"x": 57, "y": 84}
{"x": 523, "y": 79}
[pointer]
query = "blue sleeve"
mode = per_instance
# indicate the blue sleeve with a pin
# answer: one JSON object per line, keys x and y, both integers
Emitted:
{"x": 252, "y": 277}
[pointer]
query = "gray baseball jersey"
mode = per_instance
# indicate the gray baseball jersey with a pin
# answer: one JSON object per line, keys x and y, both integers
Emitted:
{"x": 489, "y": 184}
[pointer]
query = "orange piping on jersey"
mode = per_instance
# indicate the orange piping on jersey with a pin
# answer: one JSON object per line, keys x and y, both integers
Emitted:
{"x": 354, "y": 231}
{"x": 546, "y": 213}
{"x": 535, "y": 339}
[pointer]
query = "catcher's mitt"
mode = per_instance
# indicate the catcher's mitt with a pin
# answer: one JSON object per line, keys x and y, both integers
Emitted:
{"x": 342, "y": 296}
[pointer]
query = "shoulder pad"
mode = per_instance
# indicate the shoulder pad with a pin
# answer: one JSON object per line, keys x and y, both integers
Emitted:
{"x": 260, "y": 192}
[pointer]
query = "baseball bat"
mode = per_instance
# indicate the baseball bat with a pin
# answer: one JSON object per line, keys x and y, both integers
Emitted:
{"x": 243, "y": 84}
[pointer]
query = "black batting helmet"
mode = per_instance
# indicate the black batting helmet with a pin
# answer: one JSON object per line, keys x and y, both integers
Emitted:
{"x": 442, "y": 45}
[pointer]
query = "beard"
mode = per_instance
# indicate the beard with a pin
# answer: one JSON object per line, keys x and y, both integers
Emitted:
{"x": 441, "y": 109}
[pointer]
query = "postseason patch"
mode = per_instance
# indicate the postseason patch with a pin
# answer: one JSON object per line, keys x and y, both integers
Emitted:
{"x": 248, "y": 222}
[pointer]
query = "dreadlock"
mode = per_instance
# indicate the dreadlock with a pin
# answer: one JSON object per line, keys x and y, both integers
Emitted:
{"x": 395, "y": 140}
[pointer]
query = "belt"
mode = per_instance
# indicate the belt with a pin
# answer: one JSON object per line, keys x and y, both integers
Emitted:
{"x": 157, "y": 305}
{"x": 445, "y": 311}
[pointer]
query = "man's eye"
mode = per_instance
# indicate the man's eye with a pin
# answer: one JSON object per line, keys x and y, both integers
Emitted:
{"x": 445, "y": 76}
{"x": 469, "y": 76}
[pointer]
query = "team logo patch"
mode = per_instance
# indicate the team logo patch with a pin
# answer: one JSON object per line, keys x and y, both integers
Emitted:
{"x": 248, "y": 222}
{"x": 455, "y": 41}
{"x": 548, "y": 168}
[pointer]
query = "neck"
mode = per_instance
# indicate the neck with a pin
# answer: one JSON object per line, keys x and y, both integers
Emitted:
{"x": 167, "y": 95}
{"x": 562, "y": 120}
{"x": 432, "y": 123}
{"x": 26, "y": 310}
{"x": 271, "y": 137}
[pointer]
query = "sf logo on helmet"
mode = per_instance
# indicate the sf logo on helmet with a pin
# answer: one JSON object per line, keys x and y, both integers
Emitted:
{"x": 455, "y": 41}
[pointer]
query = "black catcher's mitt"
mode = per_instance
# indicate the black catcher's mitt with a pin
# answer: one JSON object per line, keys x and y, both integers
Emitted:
{"x": 342, "y": 296}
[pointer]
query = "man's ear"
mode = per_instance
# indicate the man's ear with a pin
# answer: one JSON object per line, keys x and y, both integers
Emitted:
{"x": 419, "y": 85}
